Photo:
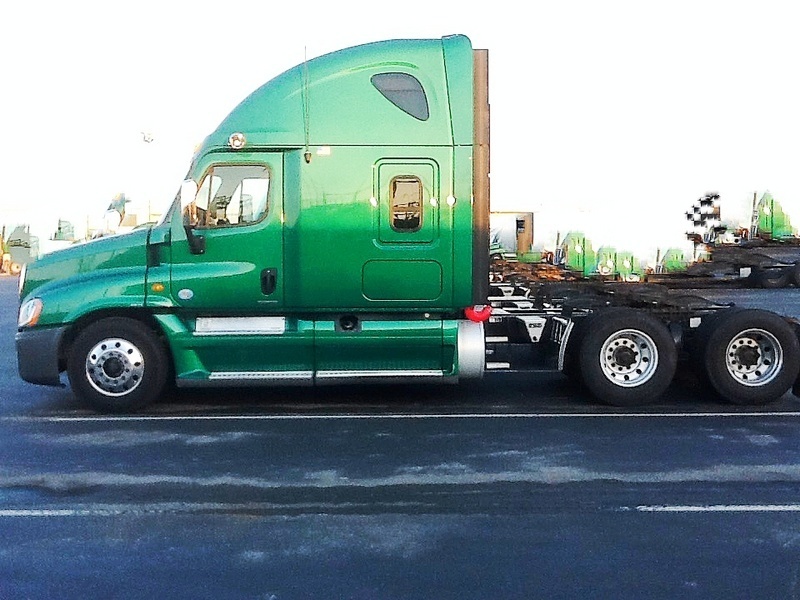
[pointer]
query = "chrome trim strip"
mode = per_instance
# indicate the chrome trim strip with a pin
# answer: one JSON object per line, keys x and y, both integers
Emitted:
{"x": 379, "y": 374}
{"x": 497, "y": 366}
{"x": 240, "y": 326}
{"x": 250, "y": 379}
{"x": 260, "y": 375}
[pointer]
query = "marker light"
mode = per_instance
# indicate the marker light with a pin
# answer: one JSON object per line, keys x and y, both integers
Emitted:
{"x": 236, "y": 141}
{"x": 30, "y": 312}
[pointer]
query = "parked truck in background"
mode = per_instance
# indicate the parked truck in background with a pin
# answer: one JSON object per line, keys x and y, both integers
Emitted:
{"x": 22, "y": 246}
{"x": 764, "y": 254}
{"x": 511, "y": 235}
{"x": 334, "y": 229}
{"x": 770, "y": 248}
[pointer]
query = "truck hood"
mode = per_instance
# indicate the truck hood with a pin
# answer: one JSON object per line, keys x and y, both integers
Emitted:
{"x": 124, "y": 251}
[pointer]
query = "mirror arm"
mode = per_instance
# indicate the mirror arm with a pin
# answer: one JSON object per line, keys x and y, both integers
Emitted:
{"x": 197, "y": 243}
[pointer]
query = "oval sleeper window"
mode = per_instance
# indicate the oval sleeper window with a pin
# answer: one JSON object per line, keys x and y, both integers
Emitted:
{"x": 404, "y": 91}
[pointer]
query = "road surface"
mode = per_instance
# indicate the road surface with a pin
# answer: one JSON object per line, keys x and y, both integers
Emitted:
{"x": 506, "y": 489}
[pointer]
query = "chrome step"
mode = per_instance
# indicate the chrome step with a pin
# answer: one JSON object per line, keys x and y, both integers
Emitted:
{"x": 497, "y": 366}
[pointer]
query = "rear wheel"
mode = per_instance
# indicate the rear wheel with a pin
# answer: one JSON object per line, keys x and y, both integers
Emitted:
{"x": 117, "y": 365}
{"x": 627, "y": 357}
{"x": 773, "y": 279}
{"x": 752, "y": 356}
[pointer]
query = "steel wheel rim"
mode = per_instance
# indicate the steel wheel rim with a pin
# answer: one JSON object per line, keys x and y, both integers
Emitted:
{"x": 115, "y": 367}
{"x": 754, "y": 357}
{"x": 629, "y": 358}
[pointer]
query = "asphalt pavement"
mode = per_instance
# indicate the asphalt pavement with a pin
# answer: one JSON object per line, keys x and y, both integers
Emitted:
{"x": 516, "y": 487}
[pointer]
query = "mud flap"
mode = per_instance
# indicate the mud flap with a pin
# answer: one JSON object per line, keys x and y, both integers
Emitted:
{"x": 796, "y": 386}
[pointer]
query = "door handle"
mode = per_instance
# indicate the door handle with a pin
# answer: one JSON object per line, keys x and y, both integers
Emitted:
{"x": 269, "y": 281}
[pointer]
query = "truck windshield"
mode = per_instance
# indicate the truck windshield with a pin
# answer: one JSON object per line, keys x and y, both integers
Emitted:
{"x": 174, "y": 206}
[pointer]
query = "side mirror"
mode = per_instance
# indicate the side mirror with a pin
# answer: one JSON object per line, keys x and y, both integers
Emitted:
{"x": 188, "y": 193}
{"x": 197, "y": 244}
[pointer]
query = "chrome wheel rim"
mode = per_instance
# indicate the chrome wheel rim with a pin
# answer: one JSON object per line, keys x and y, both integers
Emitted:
{"x": 754, "y": 357}
{"x": 115, "y": 367}
{"x": 629, "y": 358}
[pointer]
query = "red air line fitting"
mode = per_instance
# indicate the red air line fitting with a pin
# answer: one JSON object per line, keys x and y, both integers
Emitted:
{"x": 478, "y": 313}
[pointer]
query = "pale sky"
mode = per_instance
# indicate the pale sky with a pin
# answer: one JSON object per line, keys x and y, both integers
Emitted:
{"x": 611, "y": 117}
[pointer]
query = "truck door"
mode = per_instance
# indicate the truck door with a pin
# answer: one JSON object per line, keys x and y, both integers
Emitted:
{"x": 238, "y": 212}
{"x": 233, "y": 291}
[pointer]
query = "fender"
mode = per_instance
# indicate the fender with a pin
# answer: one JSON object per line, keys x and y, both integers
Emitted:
{"x": 67, "y": 300}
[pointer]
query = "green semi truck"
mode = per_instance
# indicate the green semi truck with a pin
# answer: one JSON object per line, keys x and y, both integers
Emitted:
{"x": 335, "y": 229}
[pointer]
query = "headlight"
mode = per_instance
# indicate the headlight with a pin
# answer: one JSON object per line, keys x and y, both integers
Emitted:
{"x": 29, "y": 313}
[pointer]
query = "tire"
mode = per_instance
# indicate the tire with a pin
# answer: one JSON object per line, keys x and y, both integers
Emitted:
{"x": 795, "y": 274}
{"x": 773, "y": 279}
{"x": 627, "y": 357}
{"x": 117, "y": 365}
{"x": 16, "y": 269}
{"x": 752, "y": 357}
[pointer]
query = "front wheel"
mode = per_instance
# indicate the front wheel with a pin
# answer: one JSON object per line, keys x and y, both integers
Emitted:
{"x": 117, "y": 365}
{"x": 752, "y": 356}
{"x": 627, "y": 357}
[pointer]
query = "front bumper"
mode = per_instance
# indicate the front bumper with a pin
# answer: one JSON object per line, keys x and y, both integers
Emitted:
{"x": 37, "y": 355}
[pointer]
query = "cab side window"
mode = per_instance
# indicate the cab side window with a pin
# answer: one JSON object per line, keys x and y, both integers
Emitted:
{"x": 232, "y": 195}
{"x": 405, "y": 196}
